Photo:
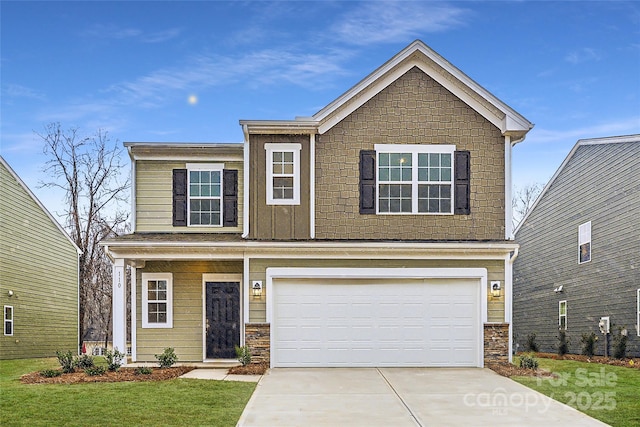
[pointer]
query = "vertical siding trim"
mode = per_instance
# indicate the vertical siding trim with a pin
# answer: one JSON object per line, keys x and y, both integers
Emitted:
{"x": 312, "y": 185}
{"x": 247, "y": 178}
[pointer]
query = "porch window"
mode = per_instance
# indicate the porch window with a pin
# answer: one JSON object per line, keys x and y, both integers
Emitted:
{"x": 157, "y": 300}
{"x": 8, "y": 320}
{"x": 283, "y": 173}
{"x": 562, "y": 315}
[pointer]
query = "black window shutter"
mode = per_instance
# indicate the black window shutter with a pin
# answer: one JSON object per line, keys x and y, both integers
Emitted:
{"x": 462, "y": 183}
{"x": 230, "y": 198}
{"x": 367, "y": 182}
{"x": 180, "y": 197}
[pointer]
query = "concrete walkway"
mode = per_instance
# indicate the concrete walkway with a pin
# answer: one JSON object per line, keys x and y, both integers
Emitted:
{"x": 401, "y": 397}
{"x": 220, "y": 375}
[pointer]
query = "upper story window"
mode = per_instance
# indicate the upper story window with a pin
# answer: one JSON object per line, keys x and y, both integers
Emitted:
{"x": 283, "y": 174}
{"x": 584, "y": 243}
{"x": 205, "y": 194}
{"x": 415, "y": 179}
{"x": 8, "y": 320}
{"x": 157, "y": 300}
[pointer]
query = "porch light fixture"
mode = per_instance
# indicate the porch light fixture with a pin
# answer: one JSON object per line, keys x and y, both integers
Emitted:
{"x": 495, "y": 289}
{"x": 257, "y": 289}
{"x": 10, "y": 293}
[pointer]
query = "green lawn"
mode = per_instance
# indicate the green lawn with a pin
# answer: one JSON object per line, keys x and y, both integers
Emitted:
{"x": 165, "y": 403}
{"x": 608, "y": 393}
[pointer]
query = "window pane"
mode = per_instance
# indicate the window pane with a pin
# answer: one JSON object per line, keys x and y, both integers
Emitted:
{"x": 395, "y": 174}
{"x": 445, "y": 174}
{"x": 423, "y": 160}
{"x": 445, "y": 205}
{"x": 423, "y": 174}
{"x": 8, "y": 313}
{"x": 288, "y": 169}
{"x": 8, "y": 328}
{"x": 162, "y": 284}
{"x": 288, "y": 156}
{"x": 406, "y": 174}
{"x": 383, "y": 159}
{"x": 434, "y": 174}
{"x": 205, "y": 191}
{"x": 277, "y": 157}
{"x": 384, "y": 205}
{"x": 434, "y": 160}
{"x": 383, "y": 174}
{"x": 194, "y": 177}
{"x": 194, "y": 218}
{"x": 194, "y": 205}
{"x": 445, "y": 160}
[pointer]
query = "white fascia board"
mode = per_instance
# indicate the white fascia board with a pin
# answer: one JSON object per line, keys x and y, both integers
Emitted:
{"x": 297, "y": 127}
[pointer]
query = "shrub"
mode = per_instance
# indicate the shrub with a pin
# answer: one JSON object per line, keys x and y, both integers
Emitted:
{"x": 143, "y": 370}
{"x": 620, "y": 343}
{"x": 531, "y": 344}
{"x": 114, "y": 359}
{"x": 244, "y": 355}
{"x": 589, "y": 344}
{"x": 528, "y": 362}
{"x": 167, "y": 358}
{"x": 93, "y": 371}
{"x": 50, "y": 373}
{"x": 84, "y": 361}
{"x": 66, "y": 361}
{"x": 563, "y": 345}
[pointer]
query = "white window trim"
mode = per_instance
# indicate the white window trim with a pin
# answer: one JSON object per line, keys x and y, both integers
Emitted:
{"x": 146, "y": 277}
{"x": 286, "y": 147}
{"x": 415, "y": 149}
{"x": 218, "y": 167}
{"x": 4, "y": 316}
{"x": 584, "y": 236}
{"x": 566, "y": 312}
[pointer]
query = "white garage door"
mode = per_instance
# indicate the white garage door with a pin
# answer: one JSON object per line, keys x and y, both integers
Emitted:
{"x": 358, "y": 322}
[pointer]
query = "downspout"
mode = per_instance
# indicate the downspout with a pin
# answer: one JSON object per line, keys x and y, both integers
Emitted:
{"x": 508, "y": 303}
{"x": 245, "y": 175}
{"x": 133, "y": 191}
{"x": 312, "y": 185}
{"x": 508, "y": 208}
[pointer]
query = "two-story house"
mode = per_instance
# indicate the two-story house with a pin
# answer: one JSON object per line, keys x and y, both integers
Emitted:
{"x": 374, "y": 233}
{"x": 579, "y": 268}
{"x": 39, "y": 264}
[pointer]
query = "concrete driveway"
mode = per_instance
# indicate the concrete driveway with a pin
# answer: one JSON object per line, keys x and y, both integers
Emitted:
{"x": 401, "y": 397}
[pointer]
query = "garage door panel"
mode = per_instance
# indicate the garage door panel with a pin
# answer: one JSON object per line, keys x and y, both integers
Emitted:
{"x": 375, "y": 323}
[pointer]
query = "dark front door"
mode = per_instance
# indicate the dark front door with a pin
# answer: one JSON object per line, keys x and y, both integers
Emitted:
{"x": 223, "y": 319}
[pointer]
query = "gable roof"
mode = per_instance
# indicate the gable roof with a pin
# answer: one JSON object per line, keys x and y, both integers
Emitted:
{"x": 611, "y": 140}
{"x": 35, "y": 199}
{"x": 417, "y": 54}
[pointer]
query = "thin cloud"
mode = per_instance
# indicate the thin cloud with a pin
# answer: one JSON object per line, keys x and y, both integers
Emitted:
{"x": 19, "y": 91}
{"x": 583, "y": 55}
{"x": 627, "y": 126}
{"x": 115, "y": 32}
{"x": 397, "y": 21}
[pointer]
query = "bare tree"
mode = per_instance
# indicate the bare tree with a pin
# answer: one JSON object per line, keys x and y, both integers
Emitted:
{"x": 523, "y": 200}
{"x": 88, "y": 169}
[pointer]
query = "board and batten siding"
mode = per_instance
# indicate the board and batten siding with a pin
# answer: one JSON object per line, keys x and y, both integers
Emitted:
{"x": 601, "y": 184}
{"x": 258, "y": 267}
{"x": 154, "y": 203}
{"x": 40, "y": 265}
{"x": 187, "y": 332}
{"x": 278, "y": 222}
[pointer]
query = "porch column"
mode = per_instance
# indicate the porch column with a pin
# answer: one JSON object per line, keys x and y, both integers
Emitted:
{"x": 119, "y": 311}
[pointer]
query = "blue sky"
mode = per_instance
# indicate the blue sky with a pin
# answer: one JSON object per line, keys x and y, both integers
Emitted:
{"x": 188, "y": 71}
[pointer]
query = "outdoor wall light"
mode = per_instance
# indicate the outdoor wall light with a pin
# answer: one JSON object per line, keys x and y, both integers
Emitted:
{"x": 10, "y": 293}
{"x": 495, "y": 289}
{"x": 256, "y": 288}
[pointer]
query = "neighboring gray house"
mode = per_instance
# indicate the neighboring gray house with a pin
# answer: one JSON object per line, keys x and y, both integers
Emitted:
{"x": 579, "y": 256}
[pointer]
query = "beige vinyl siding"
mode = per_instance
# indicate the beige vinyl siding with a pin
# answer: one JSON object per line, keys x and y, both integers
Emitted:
{"x": 40, "y": 265}
{"x": 257, "y": 271}
{"x": 154, "y": 197}
{"x": 187, "y": 332}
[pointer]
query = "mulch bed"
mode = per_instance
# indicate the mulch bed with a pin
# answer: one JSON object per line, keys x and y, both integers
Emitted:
{"x": 250, "y": 369}
{"x": 123, "y": 374}
{"x": 508, "y": 370}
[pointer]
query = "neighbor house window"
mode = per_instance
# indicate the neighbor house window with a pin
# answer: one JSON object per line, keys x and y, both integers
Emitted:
{"x": 157, "y": 300}
{"x": 584, "y": 243}
{"x": 205, "y": 194}
{"x": 414, "y": 179}
{"x": 283, "y": 174}
{"x": 562, "y": 315}
{"x": 8, "y": 320}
